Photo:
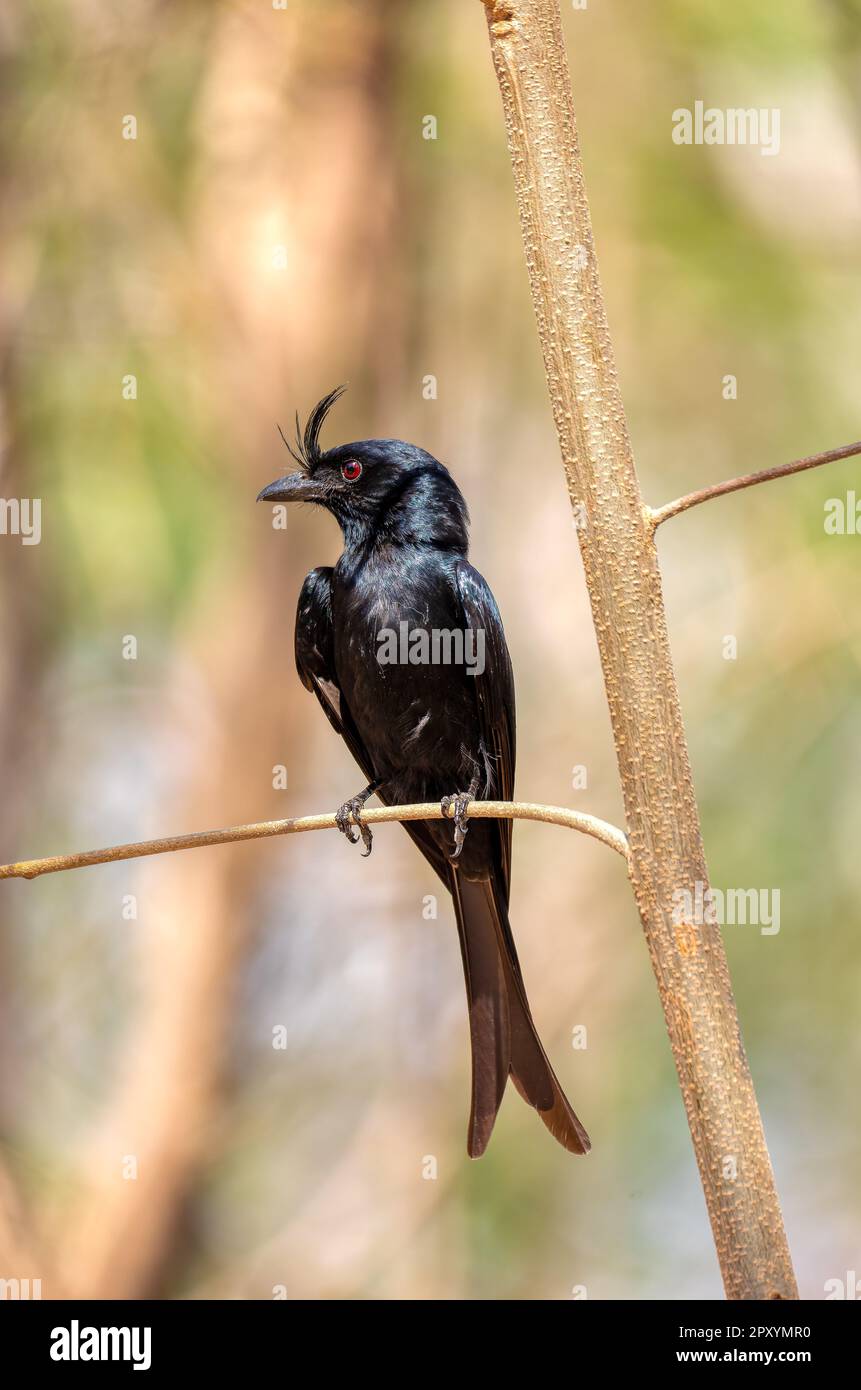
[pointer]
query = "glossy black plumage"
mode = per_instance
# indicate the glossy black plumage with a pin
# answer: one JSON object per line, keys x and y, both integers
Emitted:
{"x": 422, "y": 732}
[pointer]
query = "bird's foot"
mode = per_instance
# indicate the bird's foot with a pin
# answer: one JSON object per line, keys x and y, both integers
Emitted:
{"x": 348, "y": 821}
{"x": 459, "y": 801}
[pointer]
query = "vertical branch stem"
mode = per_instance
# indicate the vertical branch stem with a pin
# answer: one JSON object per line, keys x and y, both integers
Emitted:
{"x": 624, "y": 585}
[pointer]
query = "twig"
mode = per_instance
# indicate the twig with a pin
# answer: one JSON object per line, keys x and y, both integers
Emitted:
{"x": 260, "y": 830}
{"x": 693, "y": 499}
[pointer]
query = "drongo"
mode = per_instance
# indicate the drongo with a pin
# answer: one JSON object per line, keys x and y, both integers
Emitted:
{"x": 403, "y": 646}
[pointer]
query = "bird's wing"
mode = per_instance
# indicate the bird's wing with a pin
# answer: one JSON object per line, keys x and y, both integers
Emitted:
{"x": 494, "y": 693}
{"x": 315, "y": 662}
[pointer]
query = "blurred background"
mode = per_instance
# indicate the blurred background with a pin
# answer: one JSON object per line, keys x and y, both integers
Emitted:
{"x": 280, "y": 223}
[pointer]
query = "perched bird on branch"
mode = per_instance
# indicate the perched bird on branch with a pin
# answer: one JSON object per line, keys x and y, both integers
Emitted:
{"x": 403, "y": 645}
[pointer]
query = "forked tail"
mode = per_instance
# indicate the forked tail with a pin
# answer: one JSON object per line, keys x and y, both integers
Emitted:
{"x": 503, "y": 1035}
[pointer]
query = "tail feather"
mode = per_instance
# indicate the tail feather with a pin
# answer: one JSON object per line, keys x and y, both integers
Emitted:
{"x": 489, "y": 1018}
{"x": 503, "y": 1035}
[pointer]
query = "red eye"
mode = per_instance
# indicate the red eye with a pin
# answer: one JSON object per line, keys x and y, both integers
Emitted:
{"x": 351, "y": 470}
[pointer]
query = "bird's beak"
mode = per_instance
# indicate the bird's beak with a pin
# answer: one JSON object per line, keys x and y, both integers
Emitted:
{"x": 293, "y": 487}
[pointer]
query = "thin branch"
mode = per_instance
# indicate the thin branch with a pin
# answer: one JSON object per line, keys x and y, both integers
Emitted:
{"x": 477, "y": 810}
{"x": 765, "y": 475}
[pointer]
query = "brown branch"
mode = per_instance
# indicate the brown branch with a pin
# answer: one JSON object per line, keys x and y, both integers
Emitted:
{"x": 765, "y": 475}
{"x": 261, "y": 830}
{"x": 620, "y": 563}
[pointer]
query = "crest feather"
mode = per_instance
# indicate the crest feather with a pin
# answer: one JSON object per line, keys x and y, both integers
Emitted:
{"x": 307, "y": 451}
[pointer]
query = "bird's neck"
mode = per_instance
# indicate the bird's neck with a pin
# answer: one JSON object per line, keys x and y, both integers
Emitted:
{"x": 429, "y": 515}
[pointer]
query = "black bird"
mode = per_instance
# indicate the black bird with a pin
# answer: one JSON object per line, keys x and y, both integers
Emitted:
{"x": 425, "y": 722}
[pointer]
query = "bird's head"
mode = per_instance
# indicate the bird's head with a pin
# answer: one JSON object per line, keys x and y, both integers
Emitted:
{"x": 376, "y": 488}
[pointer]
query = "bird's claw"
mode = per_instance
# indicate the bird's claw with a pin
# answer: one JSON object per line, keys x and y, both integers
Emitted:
{"x": 347, "y": 819}
{"x": 460, "y": 801}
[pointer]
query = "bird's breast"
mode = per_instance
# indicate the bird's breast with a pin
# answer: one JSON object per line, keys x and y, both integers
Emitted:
{"x": 400, "y": 659}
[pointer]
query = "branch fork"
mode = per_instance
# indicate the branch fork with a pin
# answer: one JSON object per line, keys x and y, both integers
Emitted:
{"x": 624, "y": 583}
